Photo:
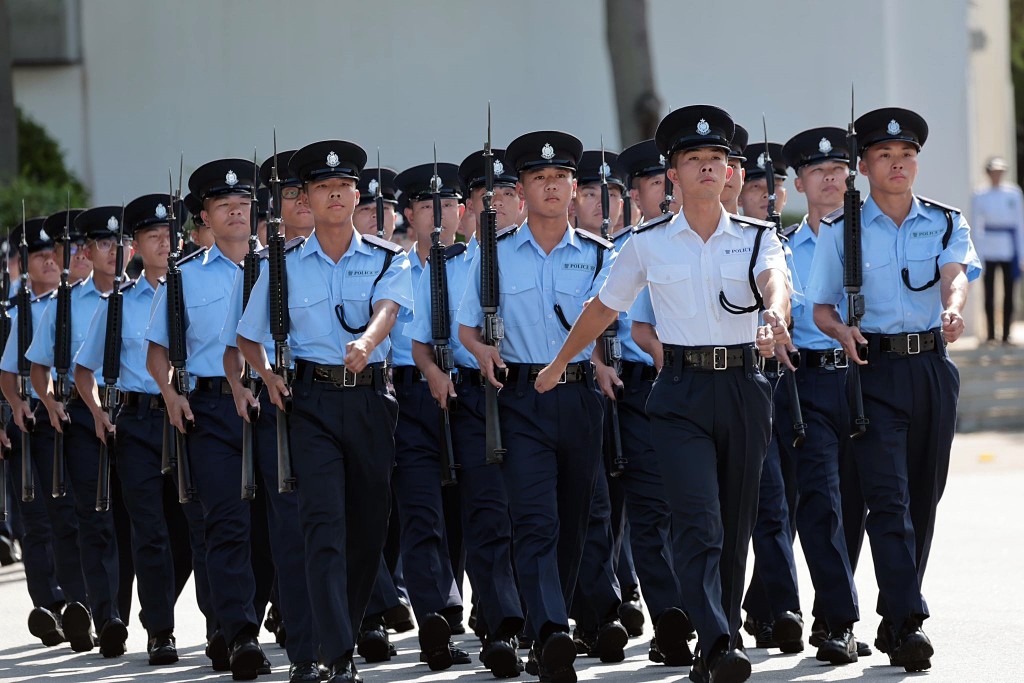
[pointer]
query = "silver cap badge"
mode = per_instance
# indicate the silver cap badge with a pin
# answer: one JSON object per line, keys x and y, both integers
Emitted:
{"x": 661, "y": 159}
{"x": 112, "y": 224}
{"x": 230, "y": 178}
{"x": 43, "y": 236}
{"x": 606, "y": 170}
{"x": 161, "y": 211}
{"x": 332, "y": 159}
{"x": 760, "y": 160}
{"x": 499, "y": 168}
{"x": 893, "y": 128}
{"x": 824, "y": 146}
{"x": 373, "y": 185}
{"x": 547, "y": 151}
{"x": 703, "y": 127}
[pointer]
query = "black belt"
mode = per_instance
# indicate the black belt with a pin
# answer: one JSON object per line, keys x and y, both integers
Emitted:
{"x": 637, "y": 372}
{"x": 213, "y": 385}
{"x": 339, "y": 376}
{"x": 468, "y": 376}
{"x": 826, "y": 358}
{"x": 134, "y": 399}
{"x": 772, "y": 367}
{"x": 711, "y": 357}
{"x": 574, "y": 372}
{"x": 407, "y": 374}
{"x": 908, "y": 343}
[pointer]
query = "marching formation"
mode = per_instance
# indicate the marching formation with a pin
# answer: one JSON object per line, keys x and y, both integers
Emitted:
{"x": 590, "y": 381}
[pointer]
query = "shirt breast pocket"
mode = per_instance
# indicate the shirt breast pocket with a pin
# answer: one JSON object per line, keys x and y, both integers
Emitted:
{"x": 310, "y": 314}
{"x": 570, "y": 294}
{"x": 880, "y": 282}
{"x": 521, "y": 300}
{"x": 736, "y": 284}
{"x": 206, "y": 313}
{"x": 922, "y": 261}
{"x": 672, "y": 291}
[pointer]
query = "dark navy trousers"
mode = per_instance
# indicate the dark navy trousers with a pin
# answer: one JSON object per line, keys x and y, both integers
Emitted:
{"x": 554, "y": 447}
{"x": 598, "y": 595}
{"x": 343, "y": 452}
{"x": 710, "y": 431}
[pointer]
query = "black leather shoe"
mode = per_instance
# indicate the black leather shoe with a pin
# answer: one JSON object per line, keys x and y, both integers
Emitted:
{"x": 112, "y": 638}
{"x": 838, "y": 648}
{"x": 44, "y": 625}
{"x": 374, "y": 646}
{"x": 304, "y": 672}
{"x": 246, "y": 658}
{"x": 556, "y": 659}
{"x": 671, "y": 633}
{"x": 77, "y": 624}
{"x": 500, "y": 657}
{"x": 162, "y": 650}
{"x": 610, "y": 643}
{"x": 344, "y": 672}
{"x": 724, "y": 666}
{"x": 788, "y": 631}
{"x": 884, "y": 637}
{"x": 435, "y": 642}
{"x": 456, "y": 625}
{"x": 632, "y": 617}
{"x": 819, "y": 632}
{"x": 399, "y": 617}
{"x": 217, "y": 652}
{"x": 583, "y": 641}
{"x": 913, "y": 649}
{"x": 863, "y": 649}
{"x": 764, "y": 637}
{"x": 265, "y": 668}
{"x": 10, "y": 552}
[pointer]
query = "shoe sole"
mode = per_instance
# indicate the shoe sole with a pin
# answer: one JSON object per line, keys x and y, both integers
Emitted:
{"x": 374, "y": 650}
{"x": 914, "y": 655}
{"x": 163, "y": 658}
{"x": 787, "y": 631}
{"x": 610, "y": 644}
{"x": 791, "y": 647}
{"x": 44, "y": 627}
{"x": 435, "y": 636}
{"x": 77, "y": 626}
{"x": 503, "y": 663}
{"x": 632, "y": 619}
{"x": 834, "y": 655}
{"x": 246, "y": 665}
{"x": 732, "y": 671}
{"x": 671, "y": 634}
{"x": 398, "y": 618}
{"x": 558, "y": 655}
{"x": 112, "y": 639}
{"x": 863, "y": 649}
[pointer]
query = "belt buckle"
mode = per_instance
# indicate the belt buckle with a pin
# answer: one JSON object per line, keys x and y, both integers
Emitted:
{"x": 913, "y": 344}
{"x": 838, "y": 354}
{"x": 720, "y": 359}
{"x": 564, "y": 376}
{"x": 345, "y": 374}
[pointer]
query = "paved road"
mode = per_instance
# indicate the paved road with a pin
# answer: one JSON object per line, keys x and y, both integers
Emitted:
{"x": 974, "y": 586}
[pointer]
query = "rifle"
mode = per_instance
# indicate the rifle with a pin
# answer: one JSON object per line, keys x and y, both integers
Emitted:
{"x": 378, "y": 199}
{"x": 5, "y": 332}
{"x": 494, "y": 327}
{"x": 111, "y": 371}
{"x": 853, "y": 276}
{"x": 176, "y": 351}
{"x": 612, "y": 348}
{"x": 799, "y": 426}
{"x": 440, "y": 325}
{"x": 24, "y": 303}
{"x": 250, "y": 271}
{"x": 62, "y": 359}
{"x": 666, "y": 203}
{"x": 280, "y": 323}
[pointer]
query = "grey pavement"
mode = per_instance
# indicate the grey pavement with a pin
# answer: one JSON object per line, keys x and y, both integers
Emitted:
{"x": 975, "y": 589}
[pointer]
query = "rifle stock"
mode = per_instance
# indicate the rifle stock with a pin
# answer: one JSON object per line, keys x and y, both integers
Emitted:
{"x": 111, "y": 372}
{"x": 440, "y": 324}
{"x": 853, "y": 278}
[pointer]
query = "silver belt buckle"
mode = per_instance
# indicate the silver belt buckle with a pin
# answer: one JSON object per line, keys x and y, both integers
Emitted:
{"x": 563, "y": 377}
{"x": 345, "y": 374}
{"x": 913, "y": 344}
{"x": 838, "y": 354}
{"x": 720, "y": 358}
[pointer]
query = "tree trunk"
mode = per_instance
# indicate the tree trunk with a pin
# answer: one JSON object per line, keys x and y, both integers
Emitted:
{"x": 639, "y": 106}
{"x": 8, "y": 121}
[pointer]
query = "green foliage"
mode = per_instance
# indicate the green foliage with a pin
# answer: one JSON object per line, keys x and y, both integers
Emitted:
{"x": 43, "y": 180}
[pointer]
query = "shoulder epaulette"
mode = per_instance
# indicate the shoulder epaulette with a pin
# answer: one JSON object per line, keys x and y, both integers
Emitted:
{"x": 454, "y": 250}
{"x": 77, "y": 282}
{"x": 788, "y": 232}
{"x": 616, "y": 236}
{"x": 381, "y": 243}
{"x": 663, "y": 219}
{"x": 185, "y": 259}
{"x": 831, "y": 218}
{"x": 52, "y": 294}
{"x": 596, "y": 239}
{"x": 125, "y": 286}
{"x": 162, "y": 280}
{"x": 291, "y": 244}
{"x": 748, "y": 222}
{"x": 938, "y": 205}
{"x": 505, "y": 232}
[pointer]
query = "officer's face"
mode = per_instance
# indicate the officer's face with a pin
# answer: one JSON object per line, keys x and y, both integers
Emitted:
{"x": 823, "y": 183}
{"x": 891, "y": 167}
{"x": 471, "y": 215}
{"x": 43, "y": 270}
{"x": 420, "y": 216}
{"x": 754, "y": 198}
{"x": 153, "y": 245}
{"x": 103, "y": 254}
{"x": 295, "y": 212}
{"x": 700, "y": 173}
{"x": 364, "y": 218}
{"x": 588, "y": 206}
{"x": 733, "y": 185}
{"x": 228, "y": 216}
{"x": 332, "y": 200}
{"x": 547, "y": 191}
{"x": 81, "y": 265}
{"x": 649, "y": 192}
{"x": 508, "y": 205}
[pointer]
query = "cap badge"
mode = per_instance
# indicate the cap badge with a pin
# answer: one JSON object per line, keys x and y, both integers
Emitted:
{"x": 547, "y": 151}
{"x": 112, "y": 224}
{"x": 661, "y": 159}
{"x": 161, "y": 211}
{"x": 893, "y": 128}
{"x": 606, "y": 170}
{"x": 332, "y": 159}
{"x": 703, "y": 128}
{"x": 824, "y": 146}
{"x": 230, "y": 178}
{"x": 4, "y": 247}
{"x": 43, "y": 236}
{"x": 760, "y": 160}
{"x": 499, "y": 168}
{"x": 373, "y": 185}
{"x": 435, "y": 183}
